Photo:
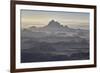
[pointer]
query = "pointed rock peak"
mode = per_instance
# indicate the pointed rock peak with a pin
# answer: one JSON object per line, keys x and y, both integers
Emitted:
{"x": 52, "y": 20}
{"x": 54, "y": 23}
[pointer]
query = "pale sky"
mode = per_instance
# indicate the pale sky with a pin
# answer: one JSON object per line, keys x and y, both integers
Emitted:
{"x": 41, "y": 18}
